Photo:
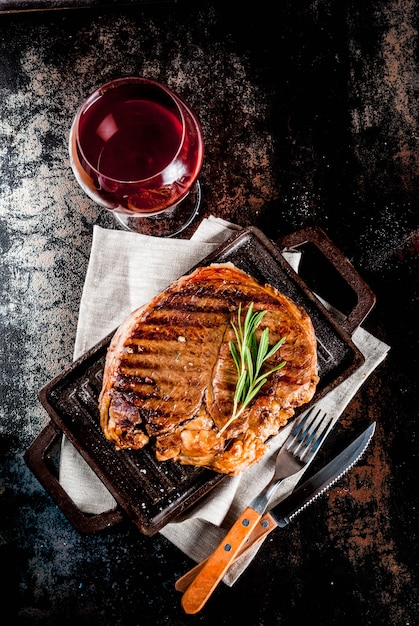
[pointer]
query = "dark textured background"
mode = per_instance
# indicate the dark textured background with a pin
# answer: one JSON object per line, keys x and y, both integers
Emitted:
{"x": 14, "y": 6}
{"x": 310, "y": 118}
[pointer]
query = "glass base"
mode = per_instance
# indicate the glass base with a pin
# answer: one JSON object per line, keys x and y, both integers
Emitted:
{"x": 168, "y": 223}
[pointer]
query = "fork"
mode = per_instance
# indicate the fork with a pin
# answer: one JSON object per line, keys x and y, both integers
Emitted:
{"x": 297, "y": 451}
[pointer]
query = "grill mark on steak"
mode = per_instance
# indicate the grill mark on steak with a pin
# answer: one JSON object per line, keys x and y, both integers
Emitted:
{"x": 169, "y": 319}
{"x": 169, "y": 374}
{"x": 215, "y": 298}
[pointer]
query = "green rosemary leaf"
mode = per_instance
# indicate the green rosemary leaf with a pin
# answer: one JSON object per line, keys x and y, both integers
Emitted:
{"x": 275, "y": 348}
{"x": 236, "y": 332}
{"x": 255, "y": 391}
{"x": 255, "y": 320}
{"x": 263, "y": 348}
{"x": 271, "y": 371}
{"x": 248, "y": 363}
{"x": 235, "y": 355}
{"x": 254, "y": 347}
{"x": 241, "y": 387}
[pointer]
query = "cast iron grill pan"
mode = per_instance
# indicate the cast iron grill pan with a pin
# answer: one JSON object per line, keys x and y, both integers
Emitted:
{"x": 152, "y": 494}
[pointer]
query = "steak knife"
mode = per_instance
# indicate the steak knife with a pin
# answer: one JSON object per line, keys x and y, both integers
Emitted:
{"x": 196, "y": 595}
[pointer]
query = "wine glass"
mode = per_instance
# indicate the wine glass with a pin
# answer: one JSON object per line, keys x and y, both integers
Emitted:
{"x": 136, "y": 148}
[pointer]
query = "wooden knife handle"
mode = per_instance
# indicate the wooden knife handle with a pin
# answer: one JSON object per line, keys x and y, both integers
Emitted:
{"x": 219, "y": 561}
{"x": 266, "y": 525}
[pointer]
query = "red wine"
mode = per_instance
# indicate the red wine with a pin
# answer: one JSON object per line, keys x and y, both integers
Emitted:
{"x": 131, "y": 140}
{"x": 136, "y": 147}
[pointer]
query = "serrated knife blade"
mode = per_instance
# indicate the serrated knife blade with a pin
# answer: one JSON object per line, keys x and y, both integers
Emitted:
{"x": 312, "y": 488}
{"x": 281, "y": 514}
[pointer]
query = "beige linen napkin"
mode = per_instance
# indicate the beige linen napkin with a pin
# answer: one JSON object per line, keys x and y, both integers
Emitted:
{"x": 125, "y": 271}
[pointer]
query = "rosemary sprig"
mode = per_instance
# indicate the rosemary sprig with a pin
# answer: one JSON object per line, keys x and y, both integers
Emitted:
{"x": 249, "y": 356}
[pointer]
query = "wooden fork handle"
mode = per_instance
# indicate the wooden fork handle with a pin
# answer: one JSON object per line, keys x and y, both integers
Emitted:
{"x": 266, "y": 525}
{"x": 219, "y": 561}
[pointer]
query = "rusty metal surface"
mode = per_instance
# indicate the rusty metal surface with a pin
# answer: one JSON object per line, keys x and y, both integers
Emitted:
{"x": 310, "y": 119}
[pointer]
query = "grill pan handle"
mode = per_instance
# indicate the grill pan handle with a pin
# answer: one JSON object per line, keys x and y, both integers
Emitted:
{"x": 39, "y": 458}
{"x": 365, "y": 297}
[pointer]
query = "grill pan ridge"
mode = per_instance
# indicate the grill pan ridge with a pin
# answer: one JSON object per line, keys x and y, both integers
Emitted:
{"x": 149, "y": 493}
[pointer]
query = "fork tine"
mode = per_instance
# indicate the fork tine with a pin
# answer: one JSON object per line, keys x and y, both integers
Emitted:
{"x": 298, "y": 427}
{"x": 304, "y": 440}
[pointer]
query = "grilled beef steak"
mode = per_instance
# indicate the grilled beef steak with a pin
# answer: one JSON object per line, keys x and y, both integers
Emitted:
{"x": 169, "y": 378}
